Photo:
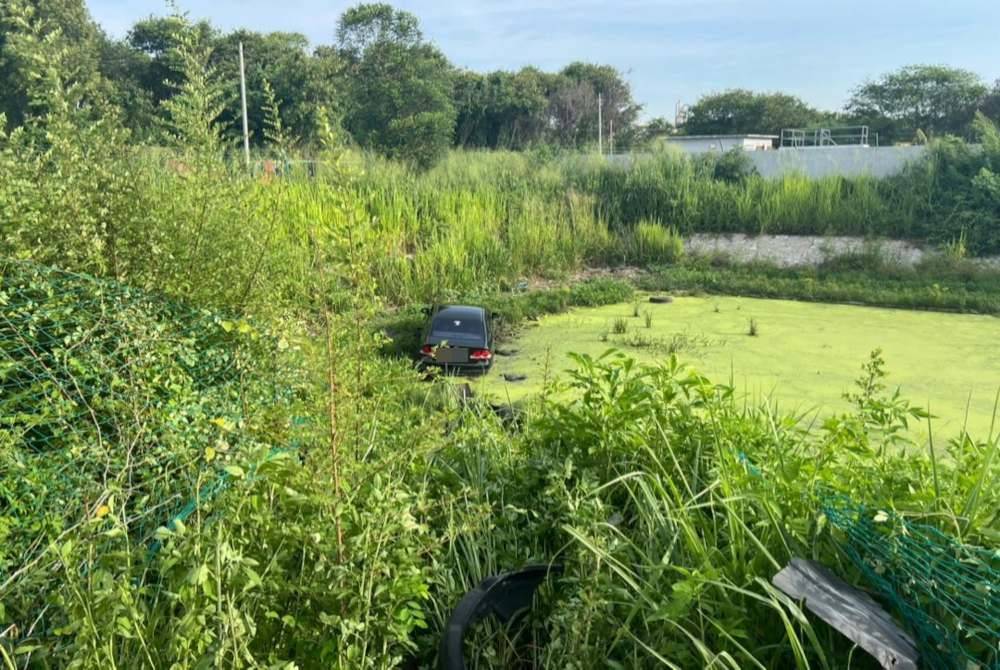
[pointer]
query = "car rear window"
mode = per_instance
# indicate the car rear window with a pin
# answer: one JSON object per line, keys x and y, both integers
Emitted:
{"x": 458, "y": 327}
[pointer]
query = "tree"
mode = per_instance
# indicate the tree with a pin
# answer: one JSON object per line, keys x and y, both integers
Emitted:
{"x": 619, "y": 110}
{"x": 519, "y": 109}
{"x": 653, "y": 130}
{"x": 990, "y": 105}
{"x": 935, "y": 99}
{"x": 365, "y": 25}
{"x": 196, "y": 107}
{"x": 742, "y": 111}
{"x": 499, "y": 109}
{"x": 301, "y": 83}
{"x": 156, "y": 40}
{"x": 569, "y": 104}
{"x": 68, "y": 28}
{"x": 400, "y": 87}
{"x": 123, "y": 68}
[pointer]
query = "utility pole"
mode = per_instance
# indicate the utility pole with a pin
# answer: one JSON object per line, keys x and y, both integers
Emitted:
{"x": 600, "y": 127}
{"x": 243, "y": 100}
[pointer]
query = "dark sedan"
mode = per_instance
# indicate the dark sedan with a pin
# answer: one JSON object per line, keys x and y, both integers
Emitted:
{"x": 458, "y": 336}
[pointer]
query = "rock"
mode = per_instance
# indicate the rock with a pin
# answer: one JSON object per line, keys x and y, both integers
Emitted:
{"x": 508, "y": 415}
{"x": 660, "y": 299}
{"x": 511, "y": 377}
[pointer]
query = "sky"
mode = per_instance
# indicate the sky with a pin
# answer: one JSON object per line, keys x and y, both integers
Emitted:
{"x": 670, "y": 50}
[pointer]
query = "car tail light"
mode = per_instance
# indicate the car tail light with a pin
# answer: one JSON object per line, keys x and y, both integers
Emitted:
{"x": 480, "y": 355}
{"x": 427, "y": 350}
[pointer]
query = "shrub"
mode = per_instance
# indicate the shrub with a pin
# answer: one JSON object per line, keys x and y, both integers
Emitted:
{"x": 871, "y": 257}
{"x": 600, "y": 291}
{"x": 733, "y": 166}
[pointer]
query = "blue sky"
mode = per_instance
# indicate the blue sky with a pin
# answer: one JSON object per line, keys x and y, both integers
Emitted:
{"x": 669, "y": 49}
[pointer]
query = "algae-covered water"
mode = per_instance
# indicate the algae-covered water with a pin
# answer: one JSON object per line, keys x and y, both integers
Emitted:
{"x": 804, "y": 357}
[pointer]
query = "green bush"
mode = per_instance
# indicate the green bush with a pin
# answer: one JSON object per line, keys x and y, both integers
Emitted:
{"x": 600, "y": 291}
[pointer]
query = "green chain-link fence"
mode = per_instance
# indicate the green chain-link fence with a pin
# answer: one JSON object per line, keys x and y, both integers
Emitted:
{"x": 947, "y": 592}
{"x": 118, "y": 401}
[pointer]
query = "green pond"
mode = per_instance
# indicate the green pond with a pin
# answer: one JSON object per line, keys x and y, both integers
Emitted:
{"x": 804, "y": 356}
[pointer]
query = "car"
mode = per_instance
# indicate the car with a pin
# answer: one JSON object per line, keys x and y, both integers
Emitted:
{"x": 458, "y": 336}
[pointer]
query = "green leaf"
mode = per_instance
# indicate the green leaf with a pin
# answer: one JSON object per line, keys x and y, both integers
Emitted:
{"x": 235, "y": 471}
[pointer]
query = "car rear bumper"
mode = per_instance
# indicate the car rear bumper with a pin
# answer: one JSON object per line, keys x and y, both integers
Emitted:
{"x": 470, "y": 365}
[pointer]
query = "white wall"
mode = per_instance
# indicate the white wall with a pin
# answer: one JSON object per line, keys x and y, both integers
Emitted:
{"x": 817, "y": 161}
{"x": 843, "y": 161}
{"x": 697, "y": 145}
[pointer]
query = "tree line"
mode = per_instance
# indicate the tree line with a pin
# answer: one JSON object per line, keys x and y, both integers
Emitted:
{"x": 389, "y": 89}
{"x": 911, "y": 104}
{"x": 380, "y": 80}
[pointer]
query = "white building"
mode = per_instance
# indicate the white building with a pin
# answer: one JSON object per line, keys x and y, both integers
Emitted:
{"x": 697, "y": 144}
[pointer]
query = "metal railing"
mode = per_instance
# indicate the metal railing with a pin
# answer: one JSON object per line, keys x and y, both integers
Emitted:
{"x": 797, "y": 138}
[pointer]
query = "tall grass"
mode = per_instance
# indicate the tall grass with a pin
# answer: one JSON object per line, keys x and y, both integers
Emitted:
{"x": 652, "y": 243}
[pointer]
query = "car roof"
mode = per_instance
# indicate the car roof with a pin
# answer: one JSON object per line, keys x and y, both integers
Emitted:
{"x": 461, "y": 312}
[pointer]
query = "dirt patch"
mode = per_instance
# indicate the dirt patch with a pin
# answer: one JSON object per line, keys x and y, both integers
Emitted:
{"x": 625, "y": 272}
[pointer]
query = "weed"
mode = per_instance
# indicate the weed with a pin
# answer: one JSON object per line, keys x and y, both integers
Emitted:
{"x": 675, "y": 344}
{"x": 635, "y": 310}
{"x": 957, "y": 249}
{"x": 648, "y": 318}
{"x": 640, "y": 340}
{"x": 619, "y": 326}
{"x": 752, "y": 327}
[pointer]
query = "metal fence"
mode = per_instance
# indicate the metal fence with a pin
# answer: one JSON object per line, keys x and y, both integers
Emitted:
{"x": 798, "y": 138}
